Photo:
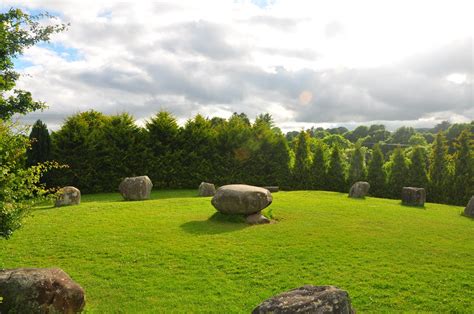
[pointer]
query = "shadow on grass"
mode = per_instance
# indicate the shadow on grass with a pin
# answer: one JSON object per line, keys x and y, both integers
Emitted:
{"x": 217, "y": 223}
{"x": 413, "y": 206}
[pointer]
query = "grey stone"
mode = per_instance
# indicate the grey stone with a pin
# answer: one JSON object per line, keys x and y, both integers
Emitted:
{"x": 136, "y": 188}
{"x": 469, "y": 210}
{"x": 207, "y": 189}
{"x": 257, "y": 219}
{"x": 413, "y": 196}
{"x": 241, "y": 199}
{"x": 272, "y": 189}
{"x": 308, "y": 299}
{"x": 359, "y": 189}
{"x": 39, "y": 290}
{"x": 68, "y": 195}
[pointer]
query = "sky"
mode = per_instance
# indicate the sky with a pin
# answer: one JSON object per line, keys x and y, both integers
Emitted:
{"x": 307, "y": 63}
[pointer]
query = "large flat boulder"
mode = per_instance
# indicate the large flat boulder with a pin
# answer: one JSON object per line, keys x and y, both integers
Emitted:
{"x": 413, "y": 196}
{"x": 206, "y": 189}
{"x": 359, "y": 189}
{"x": 68, "y": 195}
{"x": 308, "y": 299}
{"x": 136, "y": 188}
{"x": 469, "y": 210}
{"x": 39, "y": 290}
{"x": 241, "y": 199}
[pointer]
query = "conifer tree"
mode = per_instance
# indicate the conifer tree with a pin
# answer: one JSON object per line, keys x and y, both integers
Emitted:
{"x": 319, "y": 169}
{"x": 357, "y": 169}
{"x": 398, "y": 173}
{"x": 301, "y": 173}
{"x": 463, "y": 182}
{"x": 376, "y": 173}
{"x": 438, "y": 173}
{"x": 336, "y": 175}
{"x": 40, "y": 141}
{"x": 417, "y": 170}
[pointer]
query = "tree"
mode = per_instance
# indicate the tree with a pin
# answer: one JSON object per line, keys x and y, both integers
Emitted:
{"x": 40, "y": 144}
{"x": 376, "y": 174}
{"x": 463, "y": 185}
{"x": 438, "y": 172}
{"x": 417, "y": 170}
{"x": 357, "y": 169}
{"x": 20, "y": 186}
{"x": 162, "y": 140}
{"x": 319, "y": 168}
{"x": 336, "y": 177}
{"x": 397, "y": 178}
{"x": 301, "y": 174}
{"x": 402, "y": 135}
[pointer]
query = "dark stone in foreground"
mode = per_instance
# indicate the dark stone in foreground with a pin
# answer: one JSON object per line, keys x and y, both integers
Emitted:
{"x": 272, "y": 189}
{"x": 241, "y": 199}
{"x": 206, "y": 189}
{"x": 308, "y": 299}
{"x": 136, "y": 188}
{"x": 359, "y": 189}
{"x": 68, "y": 195}
{"x": 469, "y": 210}
{"x": 39, "y": 290}
{"x": 257, "y": 219}
{"x": 413, "y": 196}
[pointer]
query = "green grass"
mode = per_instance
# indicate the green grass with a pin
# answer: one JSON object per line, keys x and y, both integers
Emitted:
{"x": 167, "y": 255}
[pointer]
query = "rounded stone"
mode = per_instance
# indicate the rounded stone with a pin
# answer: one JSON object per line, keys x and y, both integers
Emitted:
{"x": 241, "y": 199}
{"x": 359, "y": 189}
{"x": 68, "y": 195}
{"x": 469, "y": 210}
{"x": 136, "y": 188}
{"x": 206, "y": 189}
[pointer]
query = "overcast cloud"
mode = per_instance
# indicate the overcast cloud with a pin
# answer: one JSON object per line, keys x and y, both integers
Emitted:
{"x": 305, "y": 62}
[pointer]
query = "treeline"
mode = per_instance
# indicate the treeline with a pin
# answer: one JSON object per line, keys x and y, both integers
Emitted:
{"x": 100, "y": 150}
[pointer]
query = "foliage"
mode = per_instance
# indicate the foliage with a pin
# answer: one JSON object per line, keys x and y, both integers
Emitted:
{"x": 438, "y": 172}
{"x": 397, "y": 178}
{"x": 376, "y": 175}
{"x": 319, "y": 168}
{"x": 40, "y": 144}
{"x": 463, "y": 183}
{"x": 336, "y": 171}
{"x": 417, "y": 170}
{"x": 301, "y": 173}
{"x": 357, "y": 168}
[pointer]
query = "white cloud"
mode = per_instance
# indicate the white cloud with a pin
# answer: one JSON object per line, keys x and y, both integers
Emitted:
{"x": 360, "y": 61}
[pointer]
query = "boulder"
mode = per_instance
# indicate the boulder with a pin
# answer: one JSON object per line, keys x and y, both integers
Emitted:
{"x": 39, "y": 290}
{"x": 241, "y": 199}
{"x": 136, "y": 188}
{"x": 207, "y": 189}
{"x": 68, "y": 195}
{"x": 359, "y": 189}
{"x": 413, "y": 196}
{"x": 308, "y": 299}
{"x": 272, "y": 189}
{"x": 257, "y": 219}
{"x": 469, "y": 210}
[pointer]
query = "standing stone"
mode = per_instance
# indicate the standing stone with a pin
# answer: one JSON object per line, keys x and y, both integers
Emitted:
{"x": 68, "y": 195}
{"x": 136, "y": 188}
{"x": 207, "y": 189}
{"x": 257, "y": 219}
{"x": 39, "y": 290}
{"x": 469, "y": 210}
{"x": 272, "y": 189}
{"x": 241, "y": 199}
{"x": 413, "y": 196}
{"x": 308, "y": 299}
{"x": 359, "y": 189}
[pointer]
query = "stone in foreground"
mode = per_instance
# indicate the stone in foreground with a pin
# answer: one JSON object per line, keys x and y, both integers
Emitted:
{"x": 469, "y": 210}
{"x": 257, "y": 219}
{"x": 206, "y": 189}
{"x": 39, "y": 290}
{"x": 308, "y": 299}
{"x": 136, "y": 188}
{"x": 241, "y": 199}
{"x": 413, "y": 196}
{"x": 272, "y": 189}
{"x": 359, "y": 189}
{"x": 68, "y": 195}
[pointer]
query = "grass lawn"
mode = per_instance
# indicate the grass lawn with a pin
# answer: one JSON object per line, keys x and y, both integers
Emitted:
{"x": 165, "y": 255}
